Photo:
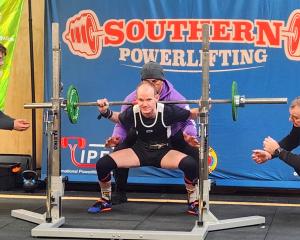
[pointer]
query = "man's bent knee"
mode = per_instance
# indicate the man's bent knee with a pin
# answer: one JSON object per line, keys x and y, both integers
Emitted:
{"x": 104, "y": 166}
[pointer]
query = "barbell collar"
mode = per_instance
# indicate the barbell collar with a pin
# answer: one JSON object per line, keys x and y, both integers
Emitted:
{"x": 241, "y": 101}
{"x": 263, "y": 100}
{"x": 38, "y": 105}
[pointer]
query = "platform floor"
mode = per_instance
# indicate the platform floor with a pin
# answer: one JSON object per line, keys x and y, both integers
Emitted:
{"x": 161, "y": 211}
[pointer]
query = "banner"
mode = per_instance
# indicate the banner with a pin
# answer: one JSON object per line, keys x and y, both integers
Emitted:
{"x": 255, "y": 43}
{"x": 10, "y": 15}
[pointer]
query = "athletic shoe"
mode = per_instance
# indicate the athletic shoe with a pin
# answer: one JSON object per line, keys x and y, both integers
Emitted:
{"x": 193, "y": 208}
{"x": 118, "y": 198}
{"x": 100, "y": 206}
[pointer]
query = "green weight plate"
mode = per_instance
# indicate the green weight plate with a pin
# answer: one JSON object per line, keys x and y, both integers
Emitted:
{"x": 234, "y": 92}
{"x": 72, "y": 108}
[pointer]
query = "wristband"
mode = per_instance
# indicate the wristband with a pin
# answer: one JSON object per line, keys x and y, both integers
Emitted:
{"x": 108, "y": 114}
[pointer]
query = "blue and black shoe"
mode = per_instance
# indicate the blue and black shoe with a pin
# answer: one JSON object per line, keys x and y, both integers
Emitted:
{"x": 101, "y": 205}
{"x": 193, "y": 208}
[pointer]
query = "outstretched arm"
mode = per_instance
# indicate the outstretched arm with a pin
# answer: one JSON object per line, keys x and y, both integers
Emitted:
{"x": 282, "y": 153}
{"x": 21, "y": 124}
{"x": 6, "y": 122}
{"x": 284, "y": 148}
{"x": 291, "y": 159}
{"x": 103, "y": 108}
{"x": 270, "y": 145}
{"x": 292, "y": 140}
{"x": 260, "y": 156}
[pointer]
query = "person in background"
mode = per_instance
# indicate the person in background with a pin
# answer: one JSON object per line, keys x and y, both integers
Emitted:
{"x": 3, "y": 52}
{"x": 283, "y": 149}
{"x": 6, "y": 122}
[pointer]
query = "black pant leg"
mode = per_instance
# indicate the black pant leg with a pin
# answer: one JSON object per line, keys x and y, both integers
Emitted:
{"x": 121, "y": 174}
{"x": 121, "y": 177}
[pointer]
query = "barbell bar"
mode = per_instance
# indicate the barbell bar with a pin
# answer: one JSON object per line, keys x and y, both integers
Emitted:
{"x": 71, "y": 104}
{"x": 239, "y": 103}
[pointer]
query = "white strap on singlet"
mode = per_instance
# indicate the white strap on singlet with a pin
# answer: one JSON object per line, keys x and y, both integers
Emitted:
{"x": 160, "y": 108}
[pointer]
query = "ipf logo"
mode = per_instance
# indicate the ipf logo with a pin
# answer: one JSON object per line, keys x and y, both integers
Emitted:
{"x": 88, "y": 157}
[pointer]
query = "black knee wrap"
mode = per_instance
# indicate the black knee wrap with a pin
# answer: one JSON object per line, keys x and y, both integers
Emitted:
{"x": 189, "y": 166}
{"x": 104, "y": 166}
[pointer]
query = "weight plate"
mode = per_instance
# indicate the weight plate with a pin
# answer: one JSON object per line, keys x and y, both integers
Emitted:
{"x": 234, "y": 92}
{"x": 72, "y": 108}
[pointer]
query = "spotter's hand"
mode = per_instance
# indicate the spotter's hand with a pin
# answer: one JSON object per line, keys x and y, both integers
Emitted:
{"x": 270, "y": 145}
{"x": 191, "y": 140}
{"x": 112, "y": 141}
{"x": 260, "y": 156}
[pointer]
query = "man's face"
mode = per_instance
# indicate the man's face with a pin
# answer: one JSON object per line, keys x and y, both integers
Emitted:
{"x": 1, "y": 58}
{"x": 295, "y": 116}
{"x": 147, "y": 99}
{"x": 157, "y": 83}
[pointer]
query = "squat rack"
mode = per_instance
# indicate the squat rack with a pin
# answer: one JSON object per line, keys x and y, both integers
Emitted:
{"x": 49, "y": 223}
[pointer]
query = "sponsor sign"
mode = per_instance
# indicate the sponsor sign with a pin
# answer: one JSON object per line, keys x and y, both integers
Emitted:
{"x": 255, "y": 43}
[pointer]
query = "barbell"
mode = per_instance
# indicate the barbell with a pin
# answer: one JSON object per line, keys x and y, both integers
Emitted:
{"x": 71, "y": 104}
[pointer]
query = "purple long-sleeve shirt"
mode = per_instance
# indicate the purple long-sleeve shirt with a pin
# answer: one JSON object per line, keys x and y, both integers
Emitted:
{"x": 168, "y": 93}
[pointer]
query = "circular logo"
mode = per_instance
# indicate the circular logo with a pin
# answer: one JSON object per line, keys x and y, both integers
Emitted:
{"x": 212, "y": 160}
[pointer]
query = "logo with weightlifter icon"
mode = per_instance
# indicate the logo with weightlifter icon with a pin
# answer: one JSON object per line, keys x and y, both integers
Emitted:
{"x": 86, "y": 37}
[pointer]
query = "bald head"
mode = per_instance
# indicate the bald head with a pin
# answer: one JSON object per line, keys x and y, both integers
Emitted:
{"x": 146, "y": 86}
{"x": 147, "y": 99}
